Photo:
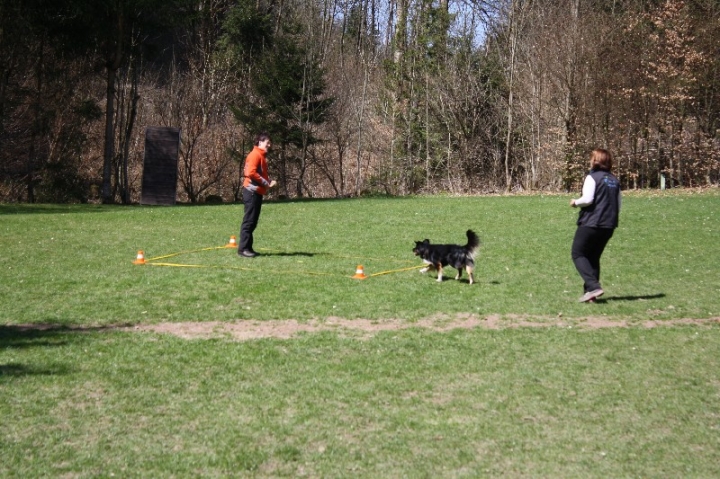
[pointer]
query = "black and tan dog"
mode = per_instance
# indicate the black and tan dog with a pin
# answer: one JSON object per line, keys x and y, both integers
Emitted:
{"x": 437, "y": 256}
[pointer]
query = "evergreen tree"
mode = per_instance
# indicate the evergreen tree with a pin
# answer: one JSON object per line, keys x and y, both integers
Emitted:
{"x": 286, "y": 94}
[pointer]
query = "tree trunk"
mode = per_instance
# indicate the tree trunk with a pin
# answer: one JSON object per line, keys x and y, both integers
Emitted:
{"x": 511, "y": 77}
{"x": 114, "y": 59}
{"x": 358, "y": 182}
{"x": 571, "y": 94}
{"x": 401, "y": 31}
{"x": 109, "y": 150}
{"x": 134, "y": 98}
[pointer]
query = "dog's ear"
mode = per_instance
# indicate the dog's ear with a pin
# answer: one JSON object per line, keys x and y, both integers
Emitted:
{"x": 426, "y": 241}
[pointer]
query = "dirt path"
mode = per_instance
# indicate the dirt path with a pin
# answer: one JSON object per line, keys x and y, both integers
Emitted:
{"x": 365, "y": 328}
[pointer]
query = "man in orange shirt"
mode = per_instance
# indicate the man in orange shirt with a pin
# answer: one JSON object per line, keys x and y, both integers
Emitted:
{"x": 255, "y": 186}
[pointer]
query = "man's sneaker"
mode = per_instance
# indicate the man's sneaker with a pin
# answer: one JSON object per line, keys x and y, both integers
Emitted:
{"x": 248, "y": 253}
{"x": 591, "y": 295}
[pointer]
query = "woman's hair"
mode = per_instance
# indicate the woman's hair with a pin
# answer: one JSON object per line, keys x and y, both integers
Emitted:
{"x": 261, "y": 137}
{"x": 600, "y": 159}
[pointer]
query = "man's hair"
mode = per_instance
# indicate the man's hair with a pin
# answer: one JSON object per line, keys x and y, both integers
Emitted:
{"x": 601, "y": 159}
{"x": 261, "y": 137}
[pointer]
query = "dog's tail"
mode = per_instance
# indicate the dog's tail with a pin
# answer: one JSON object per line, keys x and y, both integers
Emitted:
{"x": 473, "y": 243}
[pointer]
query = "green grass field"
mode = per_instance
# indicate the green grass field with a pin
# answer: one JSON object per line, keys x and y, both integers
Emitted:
{"x": 84, "y": 394}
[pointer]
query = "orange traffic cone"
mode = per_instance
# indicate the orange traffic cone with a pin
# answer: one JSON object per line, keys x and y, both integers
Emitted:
{"x": 232, "y": 243}
{"x": 359, "y": 272}
{"x": 140, "y": 258}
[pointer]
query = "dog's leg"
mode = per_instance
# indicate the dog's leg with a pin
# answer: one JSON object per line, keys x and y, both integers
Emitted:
{"x": 459, "y": 274}
{"x": 439, "y": 270}
{"x": 427, "y": 268}
{"x": 469, "y": 270}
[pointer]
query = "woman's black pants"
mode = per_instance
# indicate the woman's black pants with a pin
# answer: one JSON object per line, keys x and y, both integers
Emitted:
{"x": 587, "y": 247}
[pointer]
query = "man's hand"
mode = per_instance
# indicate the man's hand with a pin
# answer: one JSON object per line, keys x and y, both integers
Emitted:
{"x": 273, "y": 183}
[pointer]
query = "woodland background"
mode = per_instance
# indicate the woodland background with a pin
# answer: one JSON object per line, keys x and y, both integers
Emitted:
{"x": 360, "y": 96}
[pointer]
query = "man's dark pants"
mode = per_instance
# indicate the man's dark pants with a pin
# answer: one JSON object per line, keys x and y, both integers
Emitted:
{"x": 253, "y": 204}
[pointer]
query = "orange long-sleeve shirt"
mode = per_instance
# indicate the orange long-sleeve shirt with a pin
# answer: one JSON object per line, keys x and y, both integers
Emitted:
{"x": 256, "y": 172}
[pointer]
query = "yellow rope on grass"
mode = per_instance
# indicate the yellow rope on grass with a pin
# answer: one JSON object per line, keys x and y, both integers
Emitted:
{"x": 184, "y": 252}
{"x": 153, "y": 262}
{"x": 180, "y": 265}
{"x": 396, "y": 270}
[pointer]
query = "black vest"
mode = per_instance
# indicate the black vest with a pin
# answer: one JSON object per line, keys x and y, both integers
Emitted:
{"x": 604, "y": 211}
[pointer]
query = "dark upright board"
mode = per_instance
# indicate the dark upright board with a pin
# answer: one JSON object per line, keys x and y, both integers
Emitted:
{"x": 159, "y": 183}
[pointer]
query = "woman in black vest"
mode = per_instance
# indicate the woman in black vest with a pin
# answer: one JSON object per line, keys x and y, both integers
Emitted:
{"x": 599, "y": 210}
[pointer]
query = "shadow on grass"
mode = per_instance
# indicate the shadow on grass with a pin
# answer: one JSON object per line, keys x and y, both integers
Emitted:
{"x": 41, "y": 335}
{"x": 631, "y": 298}
{"x": 289, "y": 253}
{"x": 49, "y": 209}
{"x": 27, "y": 336}
{"x": 33, "y": 336}
{"x": 269, "y": 199}
{"x": 18, "y": 370}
